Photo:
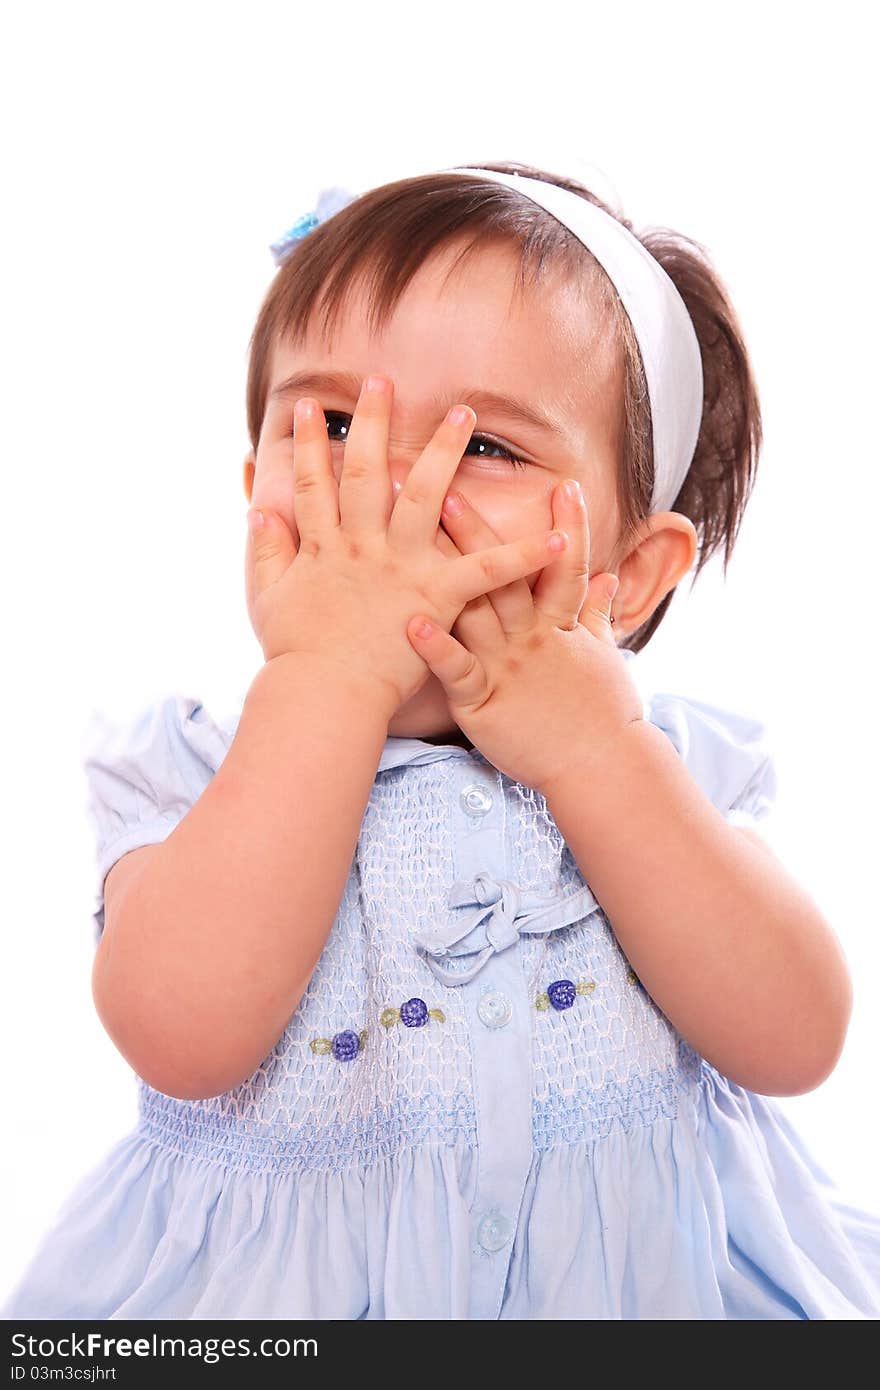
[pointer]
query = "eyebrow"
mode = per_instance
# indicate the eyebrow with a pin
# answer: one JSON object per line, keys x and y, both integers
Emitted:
{"x": 348, "y": 383}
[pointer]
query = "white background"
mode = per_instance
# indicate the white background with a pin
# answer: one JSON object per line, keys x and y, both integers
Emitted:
{"x": 152, "y": 155}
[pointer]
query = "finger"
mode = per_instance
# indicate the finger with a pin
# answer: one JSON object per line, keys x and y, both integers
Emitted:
{"x": 596, "y": 612}
{"x": 417, "y": 508}
{"x": 512, "y": 603}
{"x": 477, "y": 624}
{"x": 270, "y": 548}
{"x": 487, "y": 570}
{"x": 458, "y": 670}
{"x": 365, "y": 482}
{"x": 273, "y": 485}
{"x": 445, "y": 544}
{"x": 316, "y": 495}
{"x": 562, "y": 587}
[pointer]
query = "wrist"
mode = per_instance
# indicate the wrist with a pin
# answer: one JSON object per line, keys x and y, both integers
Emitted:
{"x": 594, "y": 766}
{"x": 374, "y": 699}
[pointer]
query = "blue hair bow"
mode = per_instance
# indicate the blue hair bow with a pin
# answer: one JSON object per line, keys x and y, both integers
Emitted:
{"x": 330, "y": 200}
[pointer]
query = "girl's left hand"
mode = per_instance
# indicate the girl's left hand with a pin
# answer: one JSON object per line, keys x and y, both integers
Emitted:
{"x": 534, "y": 689}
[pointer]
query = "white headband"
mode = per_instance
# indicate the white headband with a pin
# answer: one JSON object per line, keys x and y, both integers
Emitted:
{"x": 662, "y": 324}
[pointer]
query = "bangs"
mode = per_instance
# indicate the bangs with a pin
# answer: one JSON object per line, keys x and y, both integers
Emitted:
{"x": 379, "y": 242}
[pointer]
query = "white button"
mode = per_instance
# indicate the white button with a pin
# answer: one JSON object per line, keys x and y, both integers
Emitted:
{"x": 476, "y": 800}
{"x": 495, "y": 1230}
{"x": 495, "y": 1009}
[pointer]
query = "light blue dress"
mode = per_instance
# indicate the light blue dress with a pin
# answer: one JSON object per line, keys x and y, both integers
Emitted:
{"x": 476, "y": 1110}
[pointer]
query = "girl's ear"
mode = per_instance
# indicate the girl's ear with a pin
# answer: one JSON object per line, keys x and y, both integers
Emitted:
{"x": 250, "y": 467}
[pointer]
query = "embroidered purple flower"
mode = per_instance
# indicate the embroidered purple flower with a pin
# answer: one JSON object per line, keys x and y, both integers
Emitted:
{"x": 346, "y": 1045}
{"x": 343, "y": 1046}
{"x": 561, "y": 993}
{"x": 414, "y": 1013}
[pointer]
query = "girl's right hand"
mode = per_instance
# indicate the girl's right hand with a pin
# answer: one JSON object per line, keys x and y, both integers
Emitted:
{"x": 365, "y": 562}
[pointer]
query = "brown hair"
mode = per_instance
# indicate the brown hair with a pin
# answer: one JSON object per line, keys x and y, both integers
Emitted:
{"x": 390, "y": 231}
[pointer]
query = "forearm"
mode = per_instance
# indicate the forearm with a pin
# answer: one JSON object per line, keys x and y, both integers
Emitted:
{"x": 215, "y": 941}
{"x": 724, "y": 940}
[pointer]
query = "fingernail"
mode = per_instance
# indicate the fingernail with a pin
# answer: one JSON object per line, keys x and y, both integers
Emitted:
{"x": 453, "y": 504}
{"x": 572, "y": 490}
{"x": 255, "y": 519}
{"x": 459, "y": 414}
{"x": 558, "y": 540}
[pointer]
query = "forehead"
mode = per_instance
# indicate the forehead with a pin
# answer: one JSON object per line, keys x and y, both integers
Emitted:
{"x": 470, "y": 320}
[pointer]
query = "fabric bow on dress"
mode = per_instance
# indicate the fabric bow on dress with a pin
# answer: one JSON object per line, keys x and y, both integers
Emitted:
{"x": 502, "y": 912}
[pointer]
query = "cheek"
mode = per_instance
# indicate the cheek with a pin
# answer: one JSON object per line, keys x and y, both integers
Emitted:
{"x": 513, "y": 510}
{"x": 514, "y": 506}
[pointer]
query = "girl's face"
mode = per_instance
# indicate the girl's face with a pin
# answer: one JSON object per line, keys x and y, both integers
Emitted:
{"x": 471, "y": 339}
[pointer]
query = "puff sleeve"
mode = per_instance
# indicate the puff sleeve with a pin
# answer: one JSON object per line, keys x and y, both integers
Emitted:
{"x": 726, "y": 753}
{"x": 144, "y": 774}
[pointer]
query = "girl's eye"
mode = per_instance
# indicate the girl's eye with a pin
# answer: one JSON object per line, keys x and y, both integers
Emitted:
{"x": 332, "y": 415}
{"x": 481, "y": 442}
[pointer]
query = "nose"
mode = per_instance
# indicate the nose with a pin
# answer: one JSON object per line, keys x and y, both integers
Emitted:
{"x": 399, "y": 471}
{"x": 398, "y": 478}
